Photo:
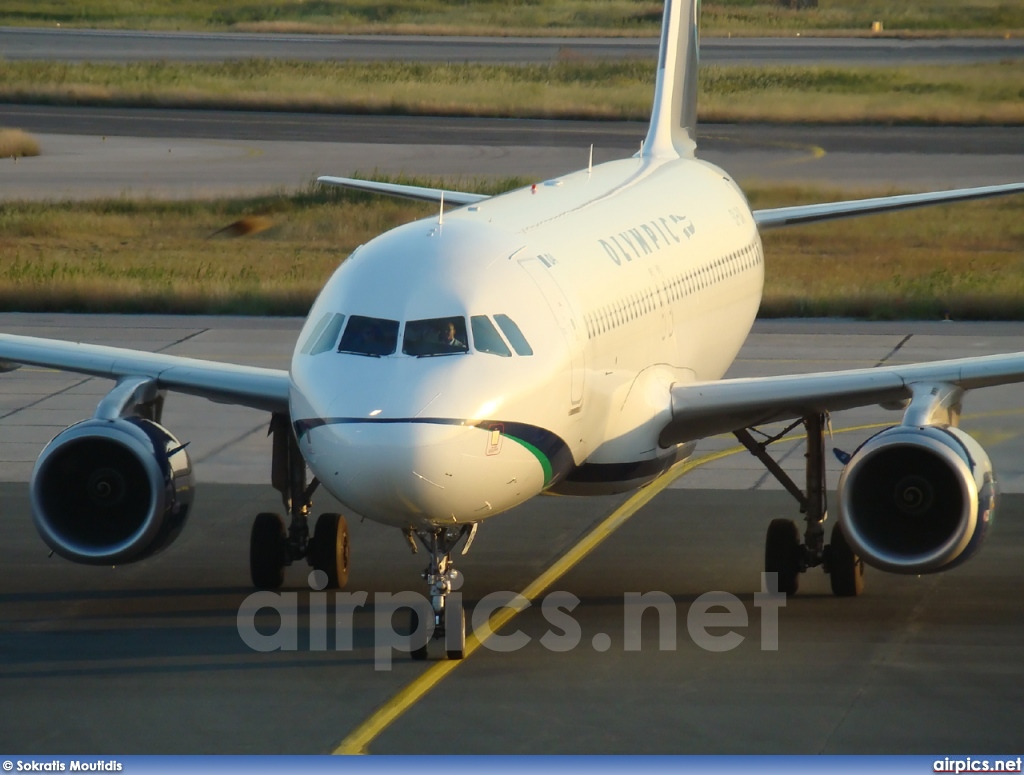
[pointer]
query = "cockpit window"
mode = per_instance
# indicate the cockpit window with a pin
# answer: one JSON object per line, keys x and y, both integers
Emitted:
{"x": 486, "y": 338}
{"x": 369, "y": 336}
{"x": 314, "y": 335}
{"x": 325, "y": 334}
{"x": 514, "y": 335}
{"x": 435, "y": 336}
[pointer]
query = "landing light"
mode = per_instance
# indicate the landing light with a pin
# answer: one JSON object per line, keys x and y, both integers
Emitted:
{"x": 375, "y": 412}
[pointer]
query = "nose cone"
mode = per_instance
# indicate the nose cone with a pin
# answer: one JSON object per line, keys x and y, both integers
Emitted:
{"x": 420, "y": 473}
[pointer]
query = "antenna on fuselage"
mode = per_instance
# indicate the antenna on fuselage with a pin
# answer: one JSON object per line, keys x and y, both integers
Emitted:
{"x": 440, "y": 216}
{"x": 590, "y": 164}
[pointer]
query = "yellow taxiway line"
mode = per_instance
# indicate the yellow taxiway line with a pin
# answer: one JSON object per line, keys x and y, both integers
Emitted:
{"x": 359, "y": 739}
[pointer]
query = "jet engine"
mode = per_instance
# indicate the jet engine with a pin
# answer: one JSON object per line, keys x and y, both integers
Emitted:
{"x": 917, "y": 499}
{"x": 111, "y": 491}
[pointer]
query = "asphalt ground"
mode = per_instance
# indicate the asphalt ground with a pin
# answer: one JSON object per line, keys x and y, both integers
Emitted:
{"x": 110, "y": 152}
{"x": 80, "y": 45}
{"x": 150, "y": 658}
{"x": 443, "y": 131}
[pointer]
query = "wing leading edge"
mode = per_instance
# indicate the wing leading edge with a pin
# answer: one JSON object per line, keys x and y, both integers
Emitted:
{"x": 705, "y": 409}
{"x": 402, "y": 191}
{"x": 227, "y": 383}
{"x": 793, "y": 216}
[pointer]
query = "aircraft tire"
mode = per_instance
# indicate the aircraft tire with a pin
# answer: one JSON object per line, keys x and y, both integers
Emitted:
{"x": 329, "y": 549}
{"x": 845, "y": 568}
{"x": 266, "y": 551}
{"x": 419, "y": 653}
{"x": 782, "y": 554}
{"x": 455, "y": 632}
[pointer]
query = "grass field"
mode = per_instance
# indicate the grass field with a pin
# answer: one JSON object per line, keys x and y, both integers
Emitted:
{"x": 975, "y": 94}
{"x": 531, "y": 17}
{"x": 964, "y": 260}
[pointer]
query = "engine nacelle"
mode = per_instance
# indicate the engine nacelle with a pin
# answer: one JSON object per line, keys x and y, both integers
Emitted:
{"x": 917, "y": 499}
{"x": 109, "y": 492}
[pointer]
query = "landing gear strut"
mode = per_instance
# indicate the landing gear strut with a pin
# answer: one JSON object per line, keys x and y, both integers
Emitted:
{"x": 271, "y": 546}
{"x": 443, "y": 579}
{"x": 784, "y": 553}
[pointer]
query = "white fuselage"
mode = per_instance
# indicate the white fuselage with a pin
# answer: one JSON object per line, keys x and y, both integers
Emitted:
{"x": 624, "y": 280}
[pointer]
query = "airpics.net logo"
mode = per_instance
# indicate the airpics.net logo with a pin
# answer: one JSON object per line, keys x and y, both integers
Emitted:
{"x": 714, "y": 621}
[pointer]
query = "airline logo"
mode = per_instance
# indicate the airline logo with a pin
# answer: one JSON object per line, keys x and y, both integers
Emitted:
{"x": 647, "y": 238}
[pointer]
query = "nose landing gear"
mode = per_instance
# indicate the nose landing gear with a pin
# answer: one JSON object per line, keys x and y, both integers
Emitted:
{"x": 443, "y": 579}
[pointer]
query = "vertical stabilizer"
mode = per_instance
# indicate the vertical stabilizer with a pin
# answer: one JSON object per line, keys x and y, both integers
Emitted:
{"x": 673, "y": 129}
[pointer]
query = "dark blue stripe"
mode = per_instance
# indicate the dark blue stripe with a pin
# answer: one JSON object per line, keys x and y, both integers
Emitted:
{"x": 550, "y": 444}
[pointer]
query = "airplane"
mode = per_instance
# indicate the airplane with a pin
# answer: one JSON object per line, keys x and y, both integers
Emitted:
{"x": 568, "y": 337}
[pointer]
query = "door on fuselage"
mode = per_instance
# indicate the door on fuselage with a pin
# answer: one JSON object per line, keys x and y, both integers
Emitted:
{"x": 539, "y": 269}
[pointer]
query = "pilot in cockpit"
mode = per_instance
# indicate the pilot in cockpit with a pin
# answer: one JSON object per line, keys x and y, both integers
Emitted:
{"x": 450, "y": 338}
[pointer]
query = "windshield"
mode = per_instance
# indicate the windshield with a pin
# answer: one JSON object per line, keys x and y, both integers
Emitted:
{"x": 369, "y": 336}
{"x": 486, "y": 338}
{"x": 325, "y": 334}
{"x": 515, "y": 336}
{"x": 435, "y": 336}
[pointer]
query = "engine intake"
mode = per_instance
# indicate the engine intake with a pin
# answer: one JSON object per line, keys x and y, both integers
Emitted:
{"x": 917, "y": 499}
{"x": 111, "y": 491}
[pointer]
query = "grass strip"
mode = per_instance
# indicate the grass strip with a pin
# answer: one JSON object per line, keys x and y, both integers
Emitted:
{"x": 961, "y": 261}
{"x": 14, "y": 142}
{"x": 497, "y": 17}
{"x": 965, "y": 260}
{"x": 961, "y": 94}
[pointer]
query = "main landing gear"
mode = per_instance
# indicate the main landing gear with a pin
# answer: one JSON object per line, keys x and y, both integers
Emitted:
{"x": 784, "y": 554}
{"x": 443, "y": 579}
{"x": 271, "y": 547}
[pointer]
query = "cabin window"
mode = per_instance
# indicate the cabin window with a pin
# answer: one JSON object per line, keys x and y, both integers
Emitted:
{"x": 486, "y": 338}
{"x": 369, "y": 336}
{"x": 435, "y": 336}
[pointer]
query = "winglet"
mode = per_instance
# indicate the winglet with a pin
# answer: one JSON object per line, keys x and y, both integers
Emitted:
{"x": 673, "y": 130}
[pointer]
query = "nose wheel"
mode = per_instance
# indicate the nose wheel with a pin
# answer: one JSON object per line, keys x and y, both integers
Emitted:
{"x": 455, "y": 632}
{"x": 443, "y": 580}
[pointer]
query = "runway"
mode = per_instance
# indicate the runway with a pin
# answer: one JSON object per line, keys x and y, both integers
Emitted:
{"x": 498, "y": 132}
{"x": 148, "y": 658}
{"x": 110, "y": 152}
{"x": 82, "y": 45}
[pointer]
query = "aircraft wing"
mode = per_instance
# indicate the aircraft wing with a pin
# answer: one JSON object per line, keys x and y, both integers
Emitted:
{"x": 793, "y": 216}
{"x": 405, "y": 192}
{"x": 224, "y": 383}
{"x": 707, "y": 408}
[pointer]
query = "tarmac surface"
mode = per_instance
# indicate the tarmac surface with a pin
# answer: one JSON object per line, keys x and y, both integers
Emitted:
{"x": 439, "y": 130}
{"x": 111, "y": 152}
{"x": 150, "y": 657}
{"x": 81, "y": 45}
